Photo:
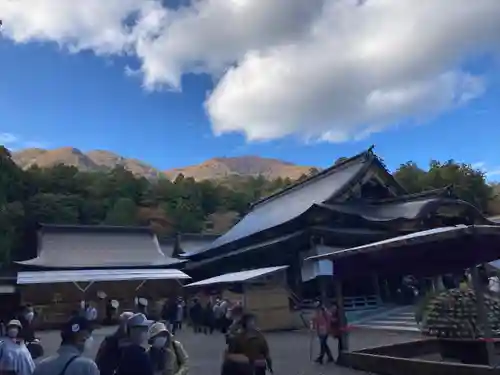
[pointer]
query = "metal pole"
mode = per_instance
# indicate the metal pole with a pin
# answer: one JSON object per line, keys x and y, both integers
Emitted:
{"x": 482, "y": 315}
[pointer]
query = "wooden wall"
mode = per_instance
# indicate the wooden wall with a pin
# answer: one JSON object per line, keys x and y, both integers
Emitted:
{"x": 55, "y": 302}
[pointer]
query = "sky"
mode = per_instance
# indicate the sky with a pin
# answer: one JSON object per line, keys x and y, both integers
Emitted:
{"x": 174, "y": 83}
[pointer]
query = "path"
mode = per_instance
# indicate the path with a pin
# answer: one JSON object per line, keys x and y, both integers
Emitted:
{"x": 290, "y": 350}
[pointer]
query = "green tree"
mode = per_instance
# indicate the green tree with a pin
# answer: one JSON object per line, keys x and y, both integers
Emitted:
{"x": 48, "y": 208}
{"x": 411, "y": 177}
{"x": 123, "y": 213}
{"x": 468, "y": 183}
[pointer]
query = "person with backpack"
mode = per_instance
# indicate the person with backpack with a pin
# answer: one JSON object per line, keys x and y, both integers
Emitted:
{"x": 134, "y": 359}
{"x": 322, "y": 324}
{"x": 76, "y": 335}
{"x": 109, "y": 353}
{"x": 249, "y": 343}
{"x": 168, "y": 356}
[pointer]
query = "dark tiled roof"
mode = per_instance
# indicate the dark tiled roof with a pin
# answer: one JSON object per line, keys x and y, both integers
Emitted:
{"x": 189, "y": 242}
{"x": 98, "y": 247}
{"x": 194, "y": 242}
{"x": 407, "y": 207}
{"x": 409, "y": 210}
{"x": 271, "y": 242}
{"x": 294, "y": 201}
{"x": 92, "y": 229}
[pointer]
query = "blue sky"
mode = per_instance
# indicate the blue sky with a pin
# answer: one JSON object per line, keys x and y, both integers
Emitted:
{"x": 54, "y": 98}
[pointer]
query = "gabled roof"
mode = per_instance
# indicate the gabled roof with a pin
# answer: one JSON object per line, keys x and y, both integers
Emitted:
{"x": 406, "y": 207}
{"x": 79, "y": 246}
{"x": 293, "y": 201}
{"x": 185, "y": 243}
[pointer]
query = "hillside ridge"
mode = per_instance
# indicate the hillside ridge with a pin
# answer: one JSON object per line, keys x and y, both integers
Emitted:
{"x": 217, "y": 168}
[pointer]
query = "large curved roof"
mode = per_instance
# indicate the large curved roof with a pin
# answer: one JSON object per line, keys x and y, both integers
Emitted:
{"x": 98, "y": 247}
{"x": 294, "y": 201}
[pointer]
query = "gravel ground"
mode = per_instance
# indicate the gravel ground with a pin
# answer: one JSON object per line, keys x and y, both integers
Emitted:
{"x": 290, "y": 350}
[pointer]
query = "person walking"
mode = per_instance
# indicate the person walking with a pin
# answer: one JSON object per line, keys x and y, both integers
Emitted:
{"x": 15, "y": 357}
{"x": 250, "y": 342}
{"x": 335, "y": 330}
{"x": 180, "y": 314}
{"x": 196, "y": 315}
{"x": 27, "y": 333}
{"x": 90, "y": 312}
{"x": 76, "y": 335}
{"x": 208, "y": 319}
{"x": 321, "y": 323}
{"x": 134, "y": 359}
{"x": 168, "y": 356}
{"x": 109, "y": 353}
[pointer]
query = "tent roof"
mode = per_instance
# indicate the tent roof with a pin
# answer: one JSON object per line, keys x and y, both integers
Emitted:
{"x": 427, "y": 252}
{"x": 49, "y": 277}
{"x": 238, "y": 277}
{"x": 98, "y": 247}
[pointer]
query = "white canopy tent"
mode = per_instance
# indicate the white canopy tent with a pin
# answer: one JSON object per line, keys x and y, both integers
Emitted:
{"x": 96, "y": 275}
{"x": 238, "y": 277}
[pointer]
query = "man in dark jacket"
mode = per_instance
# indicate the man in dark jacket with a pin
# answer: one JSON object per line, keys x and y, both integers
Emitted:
{"x": 109, "y": 353}
{"x": 196, "y": 315}
{"x": 134, "y": 359}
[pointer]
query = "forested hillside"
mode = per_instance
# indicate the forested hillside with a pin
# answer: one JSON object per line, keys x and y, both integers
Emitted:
{"x": 66, "y": 195}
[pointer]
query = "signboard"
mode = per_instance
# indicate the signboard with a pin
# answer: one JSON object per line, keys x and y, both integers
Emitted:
{"x": 7, "y": 289}
{"x": 314, "y": 268}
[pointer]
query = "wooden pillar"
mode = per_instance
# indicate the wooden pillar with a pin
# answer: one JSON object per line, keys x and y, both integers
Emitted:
{"x": 323, "y": 288}
{"x": 376, "y": 288}
{"x": 344, "y": 338}
{"x": 482, "y": 314}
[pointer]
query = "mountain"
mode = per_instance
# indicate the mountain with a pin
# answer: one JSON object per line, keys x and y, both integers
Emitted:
{"x": 220, "y": 168}
{"x": 213, "y": 169}
{"x": 90, "y": 161}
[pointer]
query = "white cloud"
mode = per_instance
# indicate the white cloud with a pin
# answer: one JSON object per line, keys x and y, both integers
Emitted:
{"x": 14, "y": 142}
{"x": 7, "y": 139}
{"x": 322, "y": 69}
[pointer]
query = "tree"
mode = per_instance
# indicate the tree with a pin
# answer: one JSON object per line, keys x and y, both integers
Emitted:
{"x": 468, "y": 183}
{"x": 411, "y": 177}
{"x": 122, "y": 213}
{"x": 48, "y": 208}
{"x": 313, "y": 171}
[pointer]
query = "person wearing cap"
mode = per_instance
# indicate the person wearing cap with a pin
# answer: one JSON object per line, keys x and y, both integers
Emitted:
{"x": 134, "y": 359}
{"x": 76, "y": 335}
{"x": 168, "y": 356}
{"x": 15, "y": 357}
{"x": 109, "y": 353}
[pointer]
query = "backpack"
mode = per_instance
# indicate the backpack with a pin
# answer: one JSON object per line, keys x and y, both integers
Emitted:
{"x": 176, "y": 353}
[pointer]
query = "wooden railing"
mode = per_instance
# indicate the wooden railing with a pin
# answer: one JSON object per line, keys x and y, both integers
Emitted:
{"x": 350, "y": 303}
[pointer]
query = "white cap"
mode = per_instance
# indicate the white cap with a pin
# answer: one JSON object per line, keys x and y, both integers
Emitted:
{"x": 14, "y": 323}
{"x": 143, "y": 302}
{"x": 138, "y": 320}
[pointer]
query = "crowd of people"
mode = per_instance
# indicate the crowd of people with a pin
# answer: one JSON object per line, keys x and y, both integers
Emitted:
{"x": 139, "y": 346}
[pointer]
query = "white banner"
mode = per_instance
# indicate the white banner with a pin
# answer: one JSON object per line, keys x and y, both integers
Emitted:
{"x": 314, "y": 268}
